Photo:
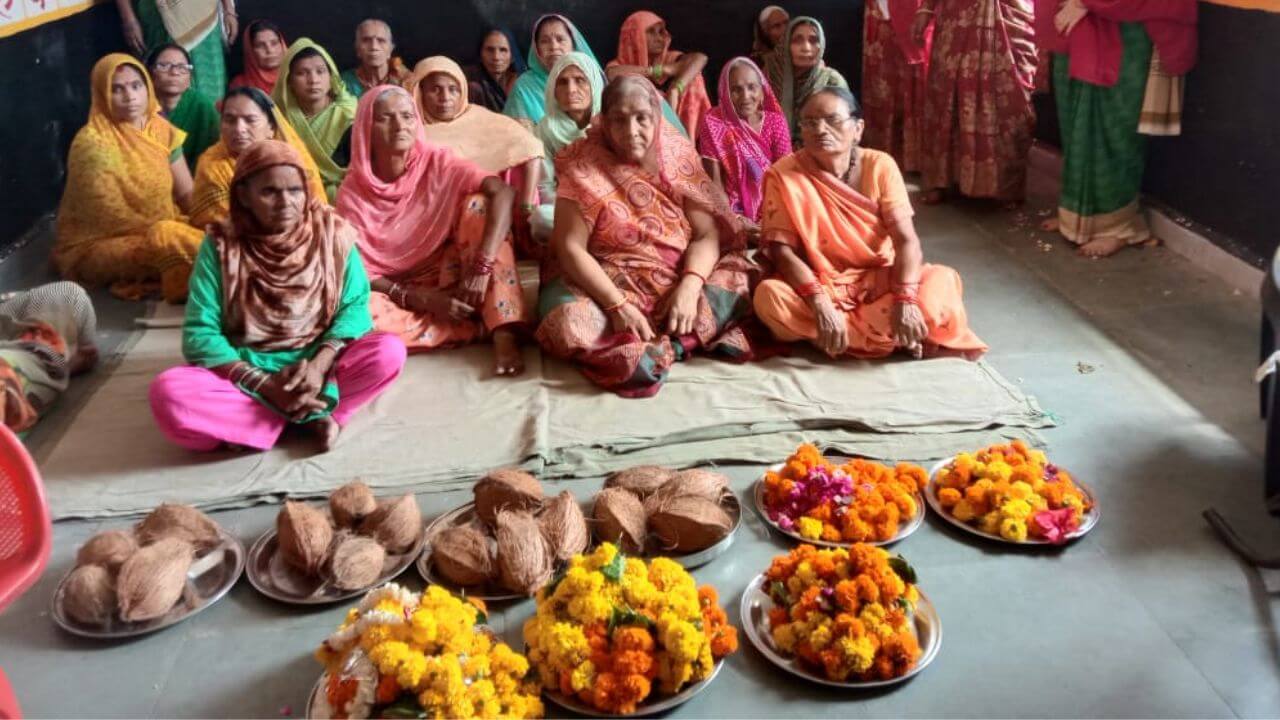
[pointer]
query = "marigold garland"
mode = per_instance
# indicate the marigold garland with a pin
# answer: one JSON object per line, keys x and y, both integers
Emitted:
{"x": 614, "y": 630}
{"x": 859, "y": 501}
{"x": 1013, "y": 492}
{"x": 844, "y": 613}
{"x": 400, "y": 653}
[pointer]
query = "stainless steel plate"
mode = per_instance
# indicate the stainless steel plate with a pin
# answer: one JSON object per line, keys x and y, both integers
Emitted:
{"x": 755, "y": 607}
{"x": 273, "y": 577}
{"x": 646, "y": 709}
{"x": 209, "y": 578}
{"x": 464, "y": 515}
{"x": 699, "y": 558}
{"x": 904, "y": 530}
{"x": 1087, "y": 522}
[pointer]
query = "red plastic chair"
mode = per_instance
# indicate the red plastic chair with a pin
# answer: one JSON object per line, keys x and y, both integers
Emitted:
{"x": 25, "y": 535}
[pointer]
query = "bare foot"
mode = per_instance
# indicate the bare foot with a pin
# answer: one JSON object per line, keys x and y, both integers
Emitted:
{"x": 934, "y": 197}
{"x": 507, "y": 359}
{"x": 1102, "y": 247}
{"x": 1050, "y": 225}
{"x": 327, "y": 430}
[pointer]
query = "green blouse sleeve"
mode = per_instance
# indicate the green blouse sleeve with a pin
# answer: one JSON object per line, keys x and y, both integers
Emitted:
{"x": 203, "y": 342}
{"x": 352, "y": 320}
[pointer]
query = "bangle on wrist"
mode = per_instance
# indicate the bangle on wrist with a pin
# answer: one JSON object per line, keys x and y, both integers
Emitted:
{"x": 679, "y": 86}
{"x": 617, "y": 305}
{"x": 809, "y": 289}
{"x": 656, "y": 71}
{"x": 484, "y": 265}
{"x": 528, "y": 207}
{"x": 695, "y": 273}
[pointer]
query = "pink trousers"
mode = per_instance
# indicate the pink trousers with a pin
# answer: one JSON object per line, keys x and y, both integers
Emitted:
{"x": 199, "y": 410}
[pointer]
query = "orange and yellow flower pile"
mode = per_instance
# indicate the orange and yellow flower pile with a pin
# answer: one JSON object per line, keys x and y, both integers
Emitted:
{"x": 405, "y": 654}
{"x": 845, "y": 613}
{"x": 859, "y": 501}
{"x": 614, "y": 631}
{"x": 1014, "y": 492}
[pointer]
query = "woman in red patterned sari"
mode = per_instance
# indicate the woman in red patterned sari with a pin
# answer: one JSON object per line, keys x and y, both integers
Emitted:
{"x": 979, "y": 121}
{"x": 649, "y": 253}
{"x": 894, "y": 71}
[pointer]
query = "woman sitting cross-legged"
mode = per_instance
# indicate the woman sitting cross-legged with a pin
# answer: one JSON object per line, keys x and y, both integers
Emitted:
{"x": 248, "y": 116}
{"x": 125, "y": 177}
{"x": 649, "y": 249}
{"x": 851, "y": 277}
{"x": 434, "y": 231}
{"x": 277, "y": 328}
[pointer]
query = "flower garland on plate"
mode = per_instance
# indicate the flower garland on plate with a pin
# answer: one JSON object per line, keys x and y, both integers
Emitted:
{"x": 614, "y": 631}
{"x": 404, "y": 654}
{"x": 1013, "y": 492}
{"x": 859, "y": 501}
{"x": 844, "y": 613}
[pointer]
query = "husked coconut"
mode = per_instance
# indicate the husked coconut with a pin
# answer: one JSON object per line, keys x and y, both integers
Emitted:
{"x": 109, "y": 549}
{"x": 508, "y": 489}
{"x": 303, "y": 534}
{"x": 619, "y": 519}
{"x": 564, "y": 527}
{"x": 643, "y": 480}
{"x": 463, "y": 555}
{"x": 355, "y": 562}
{"x": 179, "y": 521}
{"x": 689, "y": 523}
{"x": 90, "y": 595}
{"x": 151, "y": 580}
{"x": 524, "y": 561}
{"x": 351, "y": 504}
{"x": 397, "y": 524}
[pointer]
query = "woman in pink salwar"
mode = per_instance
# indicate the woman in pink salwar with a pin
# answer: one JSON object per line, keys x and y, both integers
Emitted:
{"x": 277, "y": 329}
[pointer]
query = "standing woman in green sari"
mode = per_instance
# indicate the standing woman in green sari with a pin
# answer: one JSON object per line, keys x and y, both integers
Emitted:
{"x": 1117, "y": 76}
{"x": 318, "y": 105}
{"x": 202, "y": 27}
{"x": 798, "y": 70}
{"x": 180, "y": 103}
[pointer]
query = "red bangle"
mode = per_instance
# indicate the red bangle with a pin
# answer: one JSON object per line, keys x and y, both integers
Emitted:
{"x": 809, "y": 289}
{"x": 906, "y": 299}
{"x": 616, "y": 306}
{"x": 696, "y": 274}
{"x": 484, "y": 265}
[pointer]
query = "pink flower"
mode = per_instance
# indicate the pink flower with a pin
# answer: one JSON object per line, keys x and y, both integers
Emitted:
{"x": 1056, "y": 526}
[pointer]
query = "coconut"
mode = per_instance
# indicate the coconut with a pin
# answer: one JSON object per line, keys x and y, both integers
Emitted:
{"x": 355, "y": 562}
{"x": 619, "y": 518}
{"x": 109, "y": 549}
{"x": 351, "y": 504}
{"x": 524, "y": 561}
{"x": 90, "y": 595}
{"x": 397, "y": 524}
{"x": 463, "y": 555}
{"x": 564, "y": 527}
{"x": 701, "y": 483}
{"x": 152, "y": 579}
{"x": 179, "y": 521}
{"x": 508, "y": 489}
{"x": 643, "y": 480}
{"x": 689, "y": 523}
{"x": 303, "y": 534}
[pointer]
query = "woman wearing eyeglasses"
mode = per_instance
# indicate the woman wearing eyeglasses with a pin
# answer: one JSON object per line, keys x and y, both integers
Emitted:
{"x": 180, "y": 103}
{"x": 849, "y": 273}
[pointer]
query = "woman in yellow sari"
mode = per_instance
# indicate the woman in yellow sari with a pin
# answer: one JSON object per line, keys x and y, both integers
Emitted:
{"x": 125, "y": 176}
{"x": 248, "y": 117}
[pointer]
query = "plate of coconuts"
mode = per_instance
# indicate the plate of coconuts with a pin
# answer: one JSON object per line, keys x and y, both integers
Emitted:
{"x": 512, "y": 539}
{"x": 133, "y": 581}
{"x": 318, "y": 555}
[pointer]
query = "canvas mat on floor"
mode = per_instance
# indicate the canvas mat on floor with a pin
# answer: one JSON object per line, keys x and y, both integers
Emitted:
{"x": 447, "y": 421}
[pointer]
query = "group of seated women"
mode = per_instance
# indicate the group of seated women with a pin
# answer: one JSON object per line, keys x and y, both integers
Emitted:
{"x": 323, "y": 236}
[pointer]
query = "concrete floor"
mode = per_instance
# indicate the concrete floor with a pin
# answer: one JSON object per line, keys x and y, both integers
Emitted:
{"x": 1146, "y": 361}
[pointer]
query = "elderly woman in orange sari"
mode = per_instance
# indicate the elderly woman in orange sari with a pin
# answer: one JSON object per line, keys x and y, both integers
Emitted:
{"x": 495, "y": 142}
{"x": 649, "y": 250}
{"x": 434, "y": 234}
{"x": 850, "y": 274}
{"x": 125, "y": 176}
{"x": 248, "y": 117}
{"x": 644, "y": 48}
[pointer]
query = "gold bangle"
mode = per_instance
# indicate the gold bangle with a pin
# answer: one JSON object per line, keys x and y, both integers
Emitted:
{"x": 616, "y": 306}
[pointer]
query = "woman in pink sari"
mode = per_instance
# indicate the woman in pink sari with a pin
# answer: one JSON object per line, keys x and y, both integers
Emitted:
{"x": 978, "y": 117}
{"x": 434, "y": 234}
{"x": 894, "y": 71}
{"x": 644, "y": 48}
{"x": 651, "y": 254}
{"x": 743, "y": 135}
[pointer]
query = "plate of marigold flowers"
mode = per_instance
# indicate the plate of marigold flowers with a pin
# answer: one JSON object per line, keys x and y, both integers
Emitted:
{"x": 837, "y": 501}
{"x": 846, "y": 617}
{"x": 1012, "y": 493}
{"x": 617, "y": 636}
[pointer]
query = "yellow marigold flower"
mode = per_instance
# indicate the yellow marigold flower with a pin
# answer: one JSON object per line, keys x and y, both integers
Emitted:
{"x": 461, "y": 709}
{"x": 1016, "y": 509}
{"x": 820, "y": 638}
{"x": 477, "y": 666}
{"x": 672, "y": 673}
{"x": 809, "y": 528}
{"x": 590, "y": 609}
{"x": 858, "y": 653}
{"x": 1015, "y": 530}
{"x": 784, "y": 636}
{"x": 667, "y": 574}
{"x": 492, "y": 708}
{"x": 1074, "y": 503}
{"x": 412, "y": 668}
{"x": 481, "y": 690}
{"x": 584, "y": 676}
{"x": 1020, "y": 491}
{"x": 680, "y": 638}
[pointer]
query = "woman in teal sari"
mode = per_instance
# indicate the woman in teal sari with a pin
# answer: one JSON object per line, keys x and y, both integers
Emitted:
{"x": 203, "y": 28}
{"x": 316, "y": 102}
{"x": 572, "y": 99}
{"x": 180, "y": 103}
{"x": 554, "y": 36}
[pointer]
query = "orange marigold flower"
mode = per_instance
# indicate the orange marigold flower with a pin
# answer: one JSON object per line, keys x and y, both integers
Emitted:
{"x": 881, "y": 668}
{"x": 725, "y": 641}
{"x": 948, "y": 497}
{"x": 633, "y": 662}
{"x": 866, "y": 588}
{"x": 830, "y": 533}
{"x": 778, "y": 617}
{"x": 388, "y": 690}
{"x": 633, "y": 638}
{"x": 846, "y": 595}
